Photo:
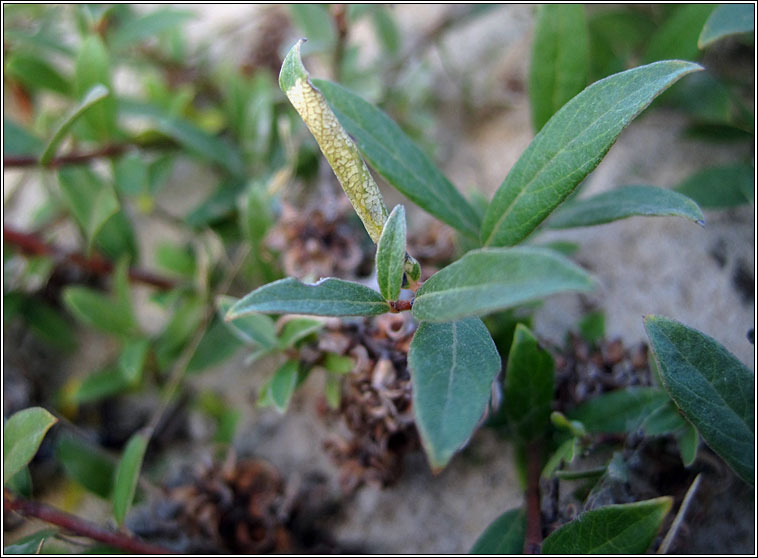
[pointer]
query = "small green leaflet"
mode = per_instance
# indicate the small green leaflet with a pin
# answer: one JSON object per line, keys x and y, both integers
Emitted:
{"x": 22, "y": 436}
{"x": 390, "y": 255}
{"x": 505, "y": 535}
{"x": 127, "y": 475}
{"x": 725, "y": 20}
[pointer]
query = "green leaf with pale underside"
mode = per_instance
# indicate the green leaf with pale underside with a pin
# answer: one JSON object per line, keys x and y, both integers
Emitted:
{"x": 617, "y": 529}
{"x": 711, "y": 387}
{"x": 491, "y": 279}
{"x": 560, "y": 59}
{"x": 328, "y": 297}
{"x": 390, "y": 255}
{"x": 400, "y": 161}
{"x": 570, "y": 146}
{"x": 452, "y": 367}
{"x": 625, "y": 202}
{"x": 250, "y": 328}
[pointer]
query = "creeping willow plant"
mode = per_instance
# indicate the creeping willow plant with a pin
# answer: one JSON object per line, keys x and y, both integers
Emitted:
{"x": 452, "y": 359}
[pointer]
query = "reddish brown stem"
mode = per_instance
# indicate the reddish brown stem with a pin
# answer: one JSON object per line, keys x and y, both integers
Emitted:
{"x": 79, "y": 526}
{"x": 19, "y": 161}
{"x": 33, "y": 245}
{"x": 533, "y": 538}
{"x": 400, "y": 306}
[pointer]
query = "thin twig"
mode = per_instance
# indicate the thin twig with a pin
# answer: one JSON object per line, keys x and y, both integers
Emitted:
{"x": 33, "y": 245}
{"x": 78, "y": 525}
{"x": 533, "y": 538}
{"x": 671, "y": 535}
{"x": 75, "y": 158}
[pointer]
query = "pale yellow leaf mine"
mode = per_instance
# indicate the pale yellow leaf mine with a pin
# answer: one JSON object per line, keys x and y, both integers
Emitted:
{"x": 342, "y": 155}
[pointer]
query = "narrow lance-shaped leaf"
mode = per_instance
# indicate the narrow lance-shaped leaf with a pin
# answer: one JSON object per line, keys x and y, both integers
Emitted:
{"x": 22, "y": 436}
{"x": 91, "y": 98}
{"x": 452, "y": 367}
{"x": 328, "y": 297}
{"x": 37, "y": 73}
{"x": 127, "y": 475}
{"x": 147, "y": 26}
{"x": 560, "y": 59}
{"x": 725, "y": 20}
{"x": 529, "y": 385}
{"x": 617, "y": 529}
{"x": 399, "y": 160}
{"x": 570, "y": 146}
{"x": 335, "y": 144}
{"x": 390, "y": 255}
{"x": 505, "y": 535}
{"x": 625, "y": 202}
{"x": 712, "y": 388}
{"x": 491, "y": 279}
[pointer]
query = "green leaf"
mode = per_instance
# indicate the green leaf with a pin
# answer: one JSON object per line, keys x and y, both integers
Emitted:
{"x": 328, "y": 297}
{"x": 127, "y": 475}
{"x": 202, "y": 144}
{"x": 619, "y": 411}
{"x": 725, "y": 20}
{"x": 116, "y": 238}
{"x": 688, "y": 442}
{"x": 566, "y": 453}
{"x": 592, "y": 327}
{"x": 390, "y": 255}
{"x": 452, "y": 367}
{"x": 131, "y": 175}
{"x": 48, "y": 324}
{"x": 101, "y": 384}
{"x": 529, "y": 385}
{"x": 19, "y": 141}
{"x": 177, "y": 259}
{"x": 31, "y": 544}
{"x": 711, "y": 387}
{"x": 91, "y": 200}
{"x": 720, "y": 187}
{"x": 98, "y": 311}
{"x": 400, "y": 161}
{"x": 570, "y": 146}
{"x": 250, "y": 328}
{"x": 283, "y": 384}
{"x": 146, "y": 26}
{"x": 37, "y": 73}
{"x": 217, "y": 345}
{"x": 663, "y": 420}
{"x": 505, "y": 535}
{"x": 386, "y": 29}
{"x": 491, "y": 279}
{"x": 22, "y": 436}
{"x": 93, "y": 67}
{"x": 87, "y": 465}
{"x": 90, "y": 99}
{"x": 132, "y": 361}
{"x": 617, "y": 529}
{"x": 296, "y": 329}
{"x": 677, "y": 37}
{"x": 21, "y": 483}
{"x": 560, "y": 59}
{"x": 622, "y": 203}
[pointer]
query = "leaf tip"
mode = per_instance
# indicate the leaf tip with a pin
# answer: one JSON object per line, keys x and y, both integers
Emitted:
{"x": 292, "y": 67}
